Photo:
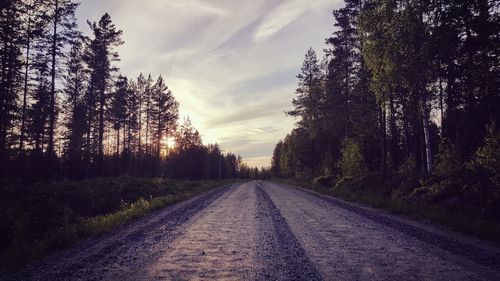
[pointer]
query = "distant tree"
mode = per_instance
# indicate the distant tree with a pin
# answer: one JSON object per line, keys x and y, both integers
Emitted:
{"x": 39, "y": 115}
{"x": 187, "y": 136}
{"x": 190, "y": 159}
{"x": 100, "y": 58}
{"x": 75, "y": 83}
{"x": 131, "y": 143}
{"x": 148, "y": 111}
{"x": 165, "y": 113}
{"x": 214, "y": 159}
{"x": 63, "y": 24}
{"x": 276, "y": 159}
{"x": 140, "y": 90}
{"x": 118, "y": 109}
{"x": 34, "y": 26}
{"x": 10, "y": 74}
{"x": 308, "y": 99}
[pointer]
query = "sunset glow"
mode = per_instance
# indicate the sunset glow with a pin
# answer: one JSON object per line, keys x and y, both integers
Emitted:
{"x": 224, "y": 60}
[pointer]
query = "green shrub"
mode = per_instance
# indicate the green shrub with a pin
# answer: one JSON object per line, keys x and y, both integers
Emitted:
{"x": 325, "y": 180}
{"x": 406, "y": 180}
{"x": 448, "y": 162}
{"x": 352, "y": 164}
{"x": 485, "y": 166}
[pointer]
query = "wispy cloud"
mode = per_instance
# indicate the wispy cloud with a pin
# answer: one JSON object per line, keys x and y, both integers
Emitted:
{"x": 231, "y": 64}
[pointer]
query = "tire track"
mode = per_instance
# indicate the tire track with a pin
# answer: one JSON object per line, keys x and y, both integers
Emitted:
{"x": 450, "y": 244}
{"x": 285, "y": 259}
{"x": 345, "y": 245}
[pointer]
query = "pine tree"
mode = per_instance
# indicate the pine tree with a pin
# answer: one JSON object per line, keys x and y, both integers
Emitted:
{"x": 101, "y": 57}
{"x": 308, "y": 99}
{"x": 34, "y": 25}
{"x": 131, "y": 145}
{"x": 165, "y": 113}
{"x": 75, "y": 82}
{"x": 118, "y": 109}
{"x": 10, "y": 76}
{"x": 63, "y": 24}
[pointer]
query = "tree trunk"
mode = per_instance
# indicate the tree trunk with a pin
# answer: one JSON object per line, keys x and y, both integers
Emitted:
{"x": 3, "y": 96}
{"x": 158, "y": 138}
{"x": 450, "y": 131}
{"x": 140, "y": 126}
{"x": 406, "y": 127}
{"x": 100, "y": 156}
{"x": 52, "y": 121}
{"x": 441, "y": 106}
{"x": 383, "y": 128}
{"x": 25, "y": 92}
{"x": 394, "y": 134}
{"x": 425, "y": 124}
{"x": 147, "y": 158}
{"x": 117, "y": 143}
{"x": 89, "y": 117}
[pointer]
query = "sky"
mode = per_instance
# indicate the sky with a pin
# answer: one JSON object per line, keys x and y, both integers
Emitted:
{"x": 231, "y": 64}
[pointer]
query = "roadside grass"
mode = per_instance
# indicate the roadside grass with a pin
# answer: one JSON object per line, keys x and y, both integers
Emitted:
{"x": 135, "y": 197}
{"x": 466, "y": 223}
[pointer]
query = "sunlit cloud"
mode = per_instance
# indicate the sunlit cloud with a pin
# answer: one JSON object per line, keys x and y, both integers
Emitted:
{"x": 231, "y": 64}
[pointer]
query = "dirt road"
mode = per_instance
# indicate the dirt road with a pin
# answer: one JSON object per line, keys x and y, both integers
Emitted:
{"x": 265, "y": 231}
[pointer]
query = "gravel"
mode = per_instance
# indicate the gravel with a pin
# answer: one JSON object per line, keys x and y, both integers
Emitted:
{"x": 265, "y": 231}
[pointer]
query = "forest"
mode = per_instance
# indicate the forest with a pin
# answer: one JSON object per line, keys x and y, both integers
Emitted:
{"x": 83, "y": 148}
{"x": 67, "y": 113}
{"x": 404, "y": 105}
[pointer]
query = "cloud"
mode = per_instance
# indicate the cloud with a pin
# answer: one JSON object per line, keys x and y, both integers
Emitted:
{"x": 231, "y": 64}
{"x": 248, "y": 113}
{"x": 261, "y": 161}
{"x": 283, "y": 15}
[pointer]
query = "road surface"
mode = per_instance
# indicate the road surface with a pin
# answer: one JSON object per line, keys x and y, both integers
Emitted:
{"x": 265, "y": 231}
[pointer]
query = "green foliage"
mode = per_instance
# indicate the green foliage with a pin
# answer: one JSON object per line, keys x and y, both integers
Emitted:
{"x": 352, "y": 163}
{"x": 484, "y": 168}
{"x": 325, "y": 180}
{"x": 390, "y": 66}
{"x": 487, "y": 157}
{"x": 448, "y": 161}
{"x": 408, "y": 167}
{"x": 406, "y": 179}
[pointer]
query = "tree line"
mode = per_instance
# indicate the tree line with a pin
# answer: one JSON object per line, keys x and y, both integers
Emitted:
{"x": 66, "y": 112}
{"x": 406, "y": 89}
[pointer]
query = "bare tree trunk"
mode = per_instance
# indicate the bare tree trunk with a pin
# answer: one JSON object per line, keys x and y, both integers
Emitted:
{"x": 383, "y": 128}
{"x": 25, "y": 92}
{"x": 117, "y": 142}
{"x": 147, "y": 158}
{"x": 89, "y": 116}
{"x": 441, "y": 105}
{"x": 394, "y": 133}
{"x": 100, "y": 156}
{"x": 3, "y": 90}
{"x": 140, "y": 127}
{"x": 427, "y": 144}
{"x": 52, "y": 121}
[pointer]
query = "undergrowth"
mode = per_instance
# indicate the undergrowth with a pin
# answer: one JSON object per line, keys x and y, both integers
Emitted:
{"x": 371, "y": 190}
{"x": 42, "y": 218}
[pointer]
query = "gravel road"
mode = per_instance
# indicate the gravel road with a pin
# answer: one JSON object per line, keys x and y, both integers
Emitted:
{"x": 265, "y": 231}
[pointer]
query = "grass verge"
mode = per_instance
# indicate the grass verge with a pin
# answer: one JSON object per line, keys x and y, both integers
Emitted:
{"x": 465, "y": 223}
{"x": 134, "y": 198}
